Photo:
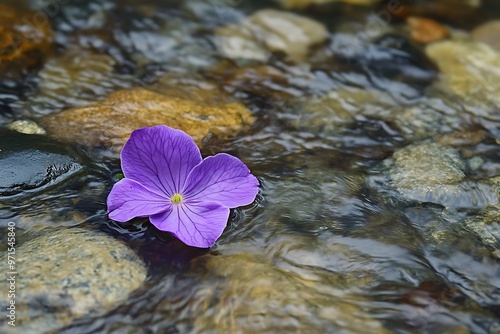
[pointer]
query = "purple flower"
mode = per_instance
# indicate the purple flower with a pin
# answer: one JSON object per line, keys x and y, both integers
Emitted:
{"x": 167, "y": 181}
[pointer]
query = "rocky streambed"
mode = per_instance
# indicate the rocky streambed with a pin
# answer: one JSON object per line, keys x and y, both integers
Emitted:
{"x": 373, "y": 127}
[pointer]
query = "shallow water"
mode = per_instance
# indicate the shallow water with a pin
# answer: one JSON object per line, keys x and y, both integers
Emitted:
{"x": 331, "y": 244}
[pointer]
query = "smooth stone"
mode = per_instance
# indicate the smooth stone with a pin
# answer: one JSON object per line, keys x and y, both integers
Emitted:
{"x": 269, "y": 31}
{"x": 424, "y": 30}
{"x": 72, "y": 80}
{"x": 24, "y": 42}
{"x": 488, "y": 33}
{"x": 437, "y": 174}
{"x": 30, "y": 162}
{"x": 70, "y": 273}
{"x": 109, "y": 123}
{"x": 255, "y": 295}
{"x": 486, "y": 226}
{"x": 471, "y": 71}
{"x": 340, "y": 107}
{"x": 27, "y": 127}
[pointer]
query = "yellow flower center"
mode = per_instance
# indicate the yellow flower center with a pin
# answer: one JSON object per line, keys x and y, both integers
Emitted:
{"x": 177, "y": 198}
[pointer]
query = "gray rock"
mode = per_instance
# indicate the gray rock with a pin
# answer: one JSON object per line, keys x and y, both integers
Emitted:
{"x": 69, "y": 274}
{"x": 437, "y": 174}
{"x": 486, "y": 226}
{"x": 29, "y": 162}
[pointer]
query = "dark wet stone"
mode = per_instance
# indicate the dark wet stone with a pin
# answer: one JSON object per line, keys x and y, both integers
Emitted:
{"x": 67, "y": 274}
{"x": 29, "y": 162}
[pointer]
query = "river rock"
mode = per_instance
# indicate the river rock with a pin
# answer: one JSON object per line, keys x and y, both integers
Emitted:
{"x": 30, "y": 162}
{"x": 67, "y": 274}
{"x": 254, "y": 295}
{"x": 26, "y": 38}
{"x": 432, "y": 173}
{"x": 109, "y": 123}
{"x": 27, "y": 127}
{"x": 424, "y": 30}
{"x": 340, "y": 108}
{"x": 471, "y": 71}
{"x": 269, "y": 31}
{"x": 488, "y": 33}
{"x": 486, "y": 226}
{"x": 74, "y": 79}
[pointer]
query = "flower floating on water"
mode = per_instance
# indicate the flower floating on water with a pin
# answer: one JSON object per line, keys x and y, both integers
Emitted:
{"x": 167, "y": 181}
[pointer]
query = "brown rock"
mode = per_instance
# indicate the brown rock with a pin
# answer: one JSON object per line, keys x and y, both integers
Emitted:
{"x": 25, "y": 38}
{"x": 457, "y": 12}
{"x": 426, "y": 30}
{"x": 462, "y": 138}
{"x": 488, "y": 33}
{"x": 109, "y": 123}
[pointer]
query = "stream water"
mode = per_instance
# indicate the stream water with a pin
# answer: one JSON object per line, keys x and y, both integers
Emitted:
{"x": 377, "y": 153}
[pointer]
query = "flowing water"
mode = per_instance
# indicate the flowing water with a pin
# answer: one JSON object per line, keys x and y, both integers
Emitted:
{"x": 378, "y": 210}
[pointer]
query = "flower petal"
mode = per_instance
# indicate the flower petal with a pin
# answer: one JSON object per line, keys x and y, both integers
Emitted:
{"x": 195, "y": 225}
{"x": 221, "y": 179}
{"x": 160, "y": 158}
{"x": 129, "y": 199}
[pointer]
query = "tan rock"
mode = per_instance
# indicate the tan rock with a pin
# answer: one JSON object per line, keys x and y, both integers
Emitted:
{"x": 425, "y": 30}
{"x": 25, "y": 38}
{"x": 470, "y": 70}
{"x": 488, "y": 33}
{"x": 27, "y": 127}
{"x": 109, "y": 123}
{"x": 268, "y": 31}
{"x": 248, "y": 293}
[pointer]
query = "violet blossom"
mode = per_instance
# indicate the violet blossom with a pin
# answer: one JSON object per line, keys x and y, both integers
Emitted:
{"x": 167, "y": 180}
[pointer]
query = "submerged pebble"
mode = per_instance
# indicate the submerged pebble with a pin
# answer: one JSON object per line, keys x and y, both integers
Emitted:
{"x": 486, "y": 226}
{"x": 110, "y": 122}
{"x": 488, "y": 33}
{"x": 424, "y": 30}
{"x": 73, "y": 80}
{"x": 438, "y": 174}
{"x": 269, "y": 31}
{"x": 68, "y": 274}
{"x": 471, "y": 71}
{"x": 254, "y": 295}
